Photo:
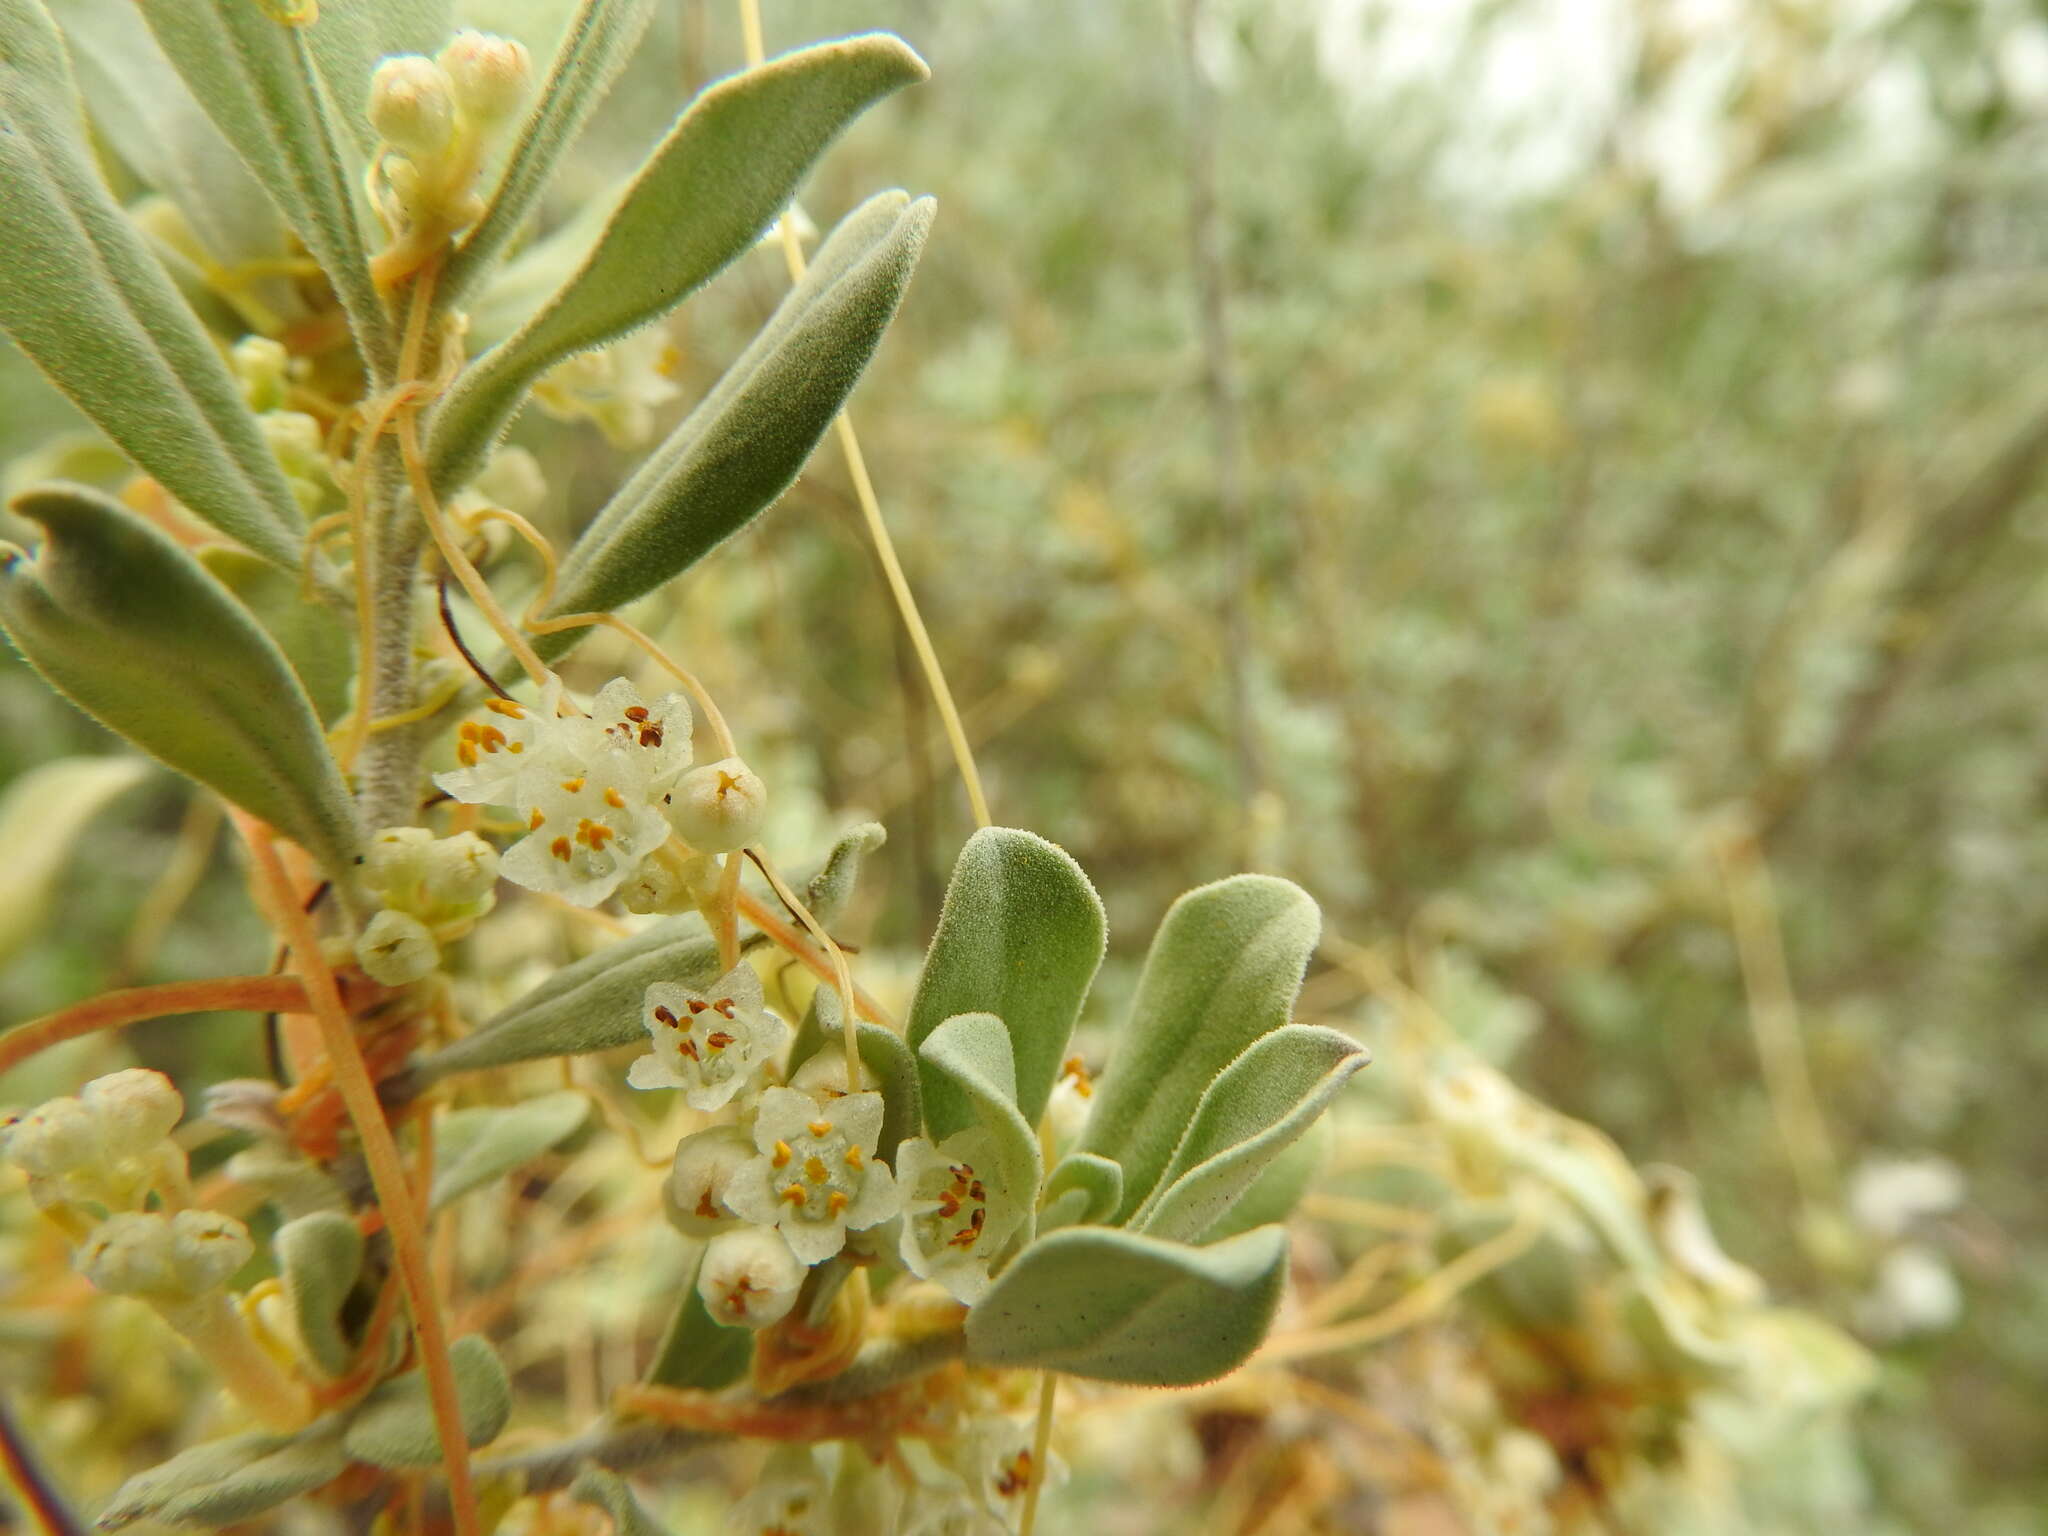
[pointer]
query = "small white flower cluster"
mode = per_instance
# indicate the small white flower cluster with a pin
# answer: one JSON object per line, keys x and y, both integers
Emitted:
{"x": 600, "y": 794}
{"x": 433, "y": 888}
{"x": 263, "y": 369}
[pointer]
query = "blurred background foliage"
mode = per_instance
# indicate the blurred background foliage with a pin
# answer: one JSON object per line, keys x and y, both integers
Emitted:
{"x": 1561, "y": 479}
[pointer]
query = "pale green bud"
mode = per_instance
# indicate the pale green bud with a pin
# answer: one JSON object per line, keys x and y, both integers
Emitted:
{"x": 458, "y": 872}
{"x": 136, "y": 1110}
{"x": 695, "y": 1189}
{"x": 396, "y": 948}
{"x": 59, "y": 1138}
{"x": 295, "y": 438}
{"x": 489, "y": 75}
{"x": 412, "y": 105}
{"x": 718, "y": 807}
{"x": 260, "y": 365}
{"x": 749, "y": 1278}
{"x": 396, "y": 860}
{"x": 165, "y": 1259}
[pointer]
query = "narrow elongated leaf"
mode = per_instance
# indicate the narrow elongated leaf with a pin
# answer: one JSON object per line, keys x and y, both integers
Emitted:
{"x": 132, "y": 629}
{"x": 1275, "y": 1193}
{"x": 711, "y": 186}
{"x": 601, "y": 36}
{"x": 473, "y": 1147}
{"x": 1222, "y": 971}
{"x": 227, "y": 1481}
{"x": 1020, "y": 936}
{"x": 1258, "y": 1106}
{"x": 315, "y": 639}
{"x": 970, "y": 1079}
{"x": 41, "y": 816}
{"x": 84, "y": 299}
{"x": 256, "y": 78}
{"x": 1117, "y": 1306}
{"x": 152, "y": 123}
{"x": 831, "y": 888}
{"x": 1081, "y": 1188}
{"x": 745, "y": 443}
{"x": 593, "y": 1005}
{"x": 319, "y": 1258}
{"x": 395, "y": 1425}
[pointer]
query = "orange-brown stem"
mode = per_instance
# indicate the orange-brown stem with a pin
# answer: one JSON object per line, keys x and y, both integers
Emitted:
{"x": 770, "y": 922}
{"x": 131, "y": 1005}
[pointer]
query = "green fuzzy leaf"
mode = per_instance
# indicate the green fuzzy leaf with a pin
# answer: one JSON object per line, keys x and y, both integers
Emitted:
{"x": 831, "y": 888}
{"x": 710, "y": 187}
{"x": 1020, "y": 936}
{"x": 1222, "y": 971}
{"x": 151, "y": 121}
{"x": 316, "y": 640}
{"x": 227, "y": 1481}
{"x": 882, "y": 1052}
{"x": 593, "y": 1005}
{"x": 1118, "y": 1306}
{"x": 697, "y": 1351}
{"x": 395, "y": 1425}
{"x": 1258, "y": 1106}
{"x": 1275, "y": 1193}
{"x": 745, "y": 443}
{"x": 601, "y": 37}
{"x": 474, "y": 1147}
{"x": 969, "y": 1078}
{"x": 257, "y": 80}
{"x": 353, "y": 36}
{"x": 84, "y": 299}
{"x": 132, "y": 629}
{"x": 1082, "y": 1188}
{"x": 608, "y": 1491}
{"x": 319, "y": 1258}
{"x": 41, "y": 816}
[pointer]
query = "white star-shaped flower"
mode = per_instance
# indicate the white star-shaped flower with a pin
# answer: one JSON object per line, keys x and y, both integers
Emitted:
{"x": 709, "y": 1043}
{"x": 817, "y": 1174}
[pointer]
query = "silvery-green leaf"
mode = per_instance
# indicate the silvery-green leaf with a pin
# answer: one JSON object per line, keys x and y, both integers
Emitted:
{"x": 1020, "y": 936}
{"x": 154, "y": 125}
{"x": 395, "y": 1425}
{"x": 352, "y": 36}
{"x": 84, "y": 299}
{"x": 970, "y": 1079}
{"x": 608, "y": 1491}
{"x": 41, "y": 815}
{"x": 592, "y": 1005}
{"x": 1119, "y": 1306}
{"x": 135, "y": 632}
{"x": 882, "y": 1052}
{"x": 831, "y": 888}
{"x": 256, "y": 79}
{"x": 697, "y": 1351}
{"x": 1257, "y": 1106}
{"x": 315, "y": 639}
{"x": 1275, "y": 1193}
{"x": 1542, "y": 1289}
{"x": 1081, "y": 1188}
{"x": 473, "y": 1147}
{"x": 319, "y": 1258}
{"x": 745, "y": 443}
{"x": 227, "y": 1481}
{"x": 1222, "y": 971}
{"x": 601, "y": 36}
{"x": 722, "y": 173}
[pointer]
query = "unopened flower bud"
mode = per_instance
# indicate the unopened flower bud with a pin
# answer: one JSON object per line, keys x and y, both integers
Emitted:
{"x": 396, "y": 948}
{"x": 136, "y": 1110}
{"x": 207, "y": 1247}
{"x": 164, "y": 1259}
{"x": 749, "y": 1278}
{"x": 489, "y": 75}
{"x": 49, "y": 1142}
{"x": 260, "y": 365}
{"x": 458, "y": 872}
{"x": 718, "y": 807}
{"x": 396, "y": 860}
{"x": 704, "y": 1166}
{"x": 823, "y": 1074}
{"x": 412, "y": 105}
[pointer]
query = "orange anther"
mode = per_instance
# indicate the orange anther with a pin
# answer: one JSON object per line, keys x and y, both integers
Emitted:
{"x": 614, "y": 799}
{"x": 505, "y": 707}
{"x": 837, "y": 1201}
{"x": 820, "y": 1128}
{"x": 560, "y": 849}
{"x": 781, "y": 1155}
